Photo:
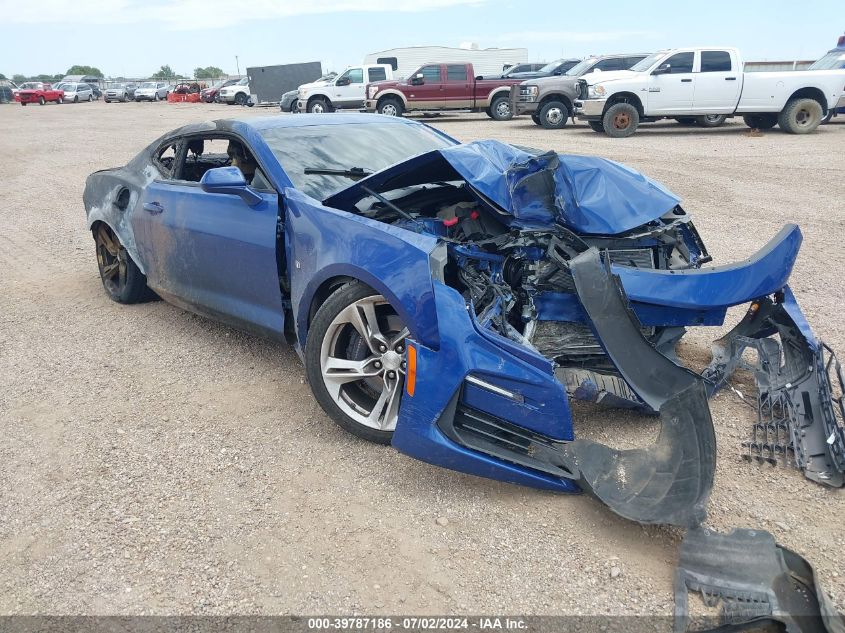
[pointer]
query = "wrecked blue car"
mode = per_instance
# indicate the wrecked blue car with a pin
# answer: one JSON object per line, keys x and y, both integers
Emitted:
{"x": 450, "y": 299}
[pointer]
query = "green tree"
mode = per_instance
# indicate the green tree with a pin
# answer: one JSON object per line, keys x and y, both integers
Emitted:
{"x": 209, "y": 72}
{"x": 84, "y": 70}
{"x": 2, "y": 77}
{"x": 18, "y": 79}
{"x": 165, "y": 72}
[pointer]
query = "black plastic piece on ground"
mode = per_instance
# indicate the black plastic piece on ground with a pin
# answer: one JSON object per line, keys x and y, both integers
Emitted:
{"x": 752, "y": 581}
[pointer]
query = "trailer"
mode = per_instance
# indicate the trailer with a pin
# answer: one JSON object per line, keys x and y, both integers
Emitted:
{"x": 267, "y": 84}
{"x": 485, "y": 61}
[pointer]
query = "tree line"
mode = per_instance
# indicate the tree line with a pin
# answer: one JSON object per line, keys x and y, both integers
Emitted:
{"x": 164, "y": 72}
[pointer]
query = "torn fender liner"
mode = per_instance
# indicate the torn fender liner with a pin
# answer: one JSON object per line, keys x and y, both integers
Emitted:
{"x": 752, "y": 581}
{"x": 670, "y": 481}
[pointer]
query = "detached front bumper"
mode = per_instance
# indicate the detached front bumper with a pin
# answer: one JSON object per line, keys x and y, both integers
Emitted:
{"x": 589, "y": 109}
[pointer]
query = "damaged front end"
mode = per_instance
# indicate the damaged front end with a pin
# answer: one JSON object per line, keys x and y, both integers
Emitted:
{"x": 561, "y": 277}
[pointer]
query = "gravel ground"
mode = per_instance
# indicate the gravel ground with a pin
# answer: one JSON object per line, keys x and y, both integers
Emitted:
{"x": 155, "y": 462}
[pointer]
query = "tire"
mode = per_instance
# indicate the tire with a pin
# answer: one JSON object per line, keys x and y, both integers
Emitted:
{"x": 500, "y": 108}
{"x": 318, "y": 106}
{"x": 23, "y": 104}
{"x": 554, "y": 115}
{"x": 685, "y": 120}
{"x": 801, "y": 116}
{"x": 293, "y": 109}
{"x": 122, "y": 280}
{"x": 760, "y": 121}
{"x": 76, "y": 98}
{"x": 106, "y": 101}
{"x": 90, "y": 98}
{"x": 621, "y": 120}
{"x": 240, "y": 99}
{"x": 156, "y": 97}
{"x": 536, "y": 118}
{"x": 390, "y": 106}
{"x": 41, "y": 100}
{"x": 596, "y": 126}
{"x": 366, "y": 406}
{"x": 710, "y": 120}
{"x": 827, "y": 117}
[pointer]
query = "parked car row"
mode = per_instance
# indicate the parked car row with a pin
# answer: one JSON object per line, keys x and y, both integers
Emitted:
{"x": 614, "y": 94}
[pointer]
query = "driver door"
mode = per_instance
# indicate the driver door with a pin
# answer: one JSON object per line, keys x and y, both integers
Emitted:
{"x": 211, "y": 253}
{"x": 673, "y": 91}
{"x": 351, "y": 94}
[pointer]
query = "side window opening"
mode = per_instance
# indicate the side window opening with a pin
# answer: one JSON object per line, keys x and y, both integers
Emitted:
{"x": 681, "y": 63}
{"x": 456, "y": 72}
{"x": 391, "y": 61}
{"x": 165, "y": 159}
{"x": 431, "y": 74}
{"x": 202, "y": 154}
{"x": 376, "y": 74}
{"x": 715, "y": 62}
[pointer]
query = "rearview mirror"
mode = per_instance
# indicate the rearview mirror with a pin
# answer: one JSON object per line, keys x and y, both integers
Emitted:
{"x": 418, "y": 79}
{"x": 662, "y": 69}
{"x": 231, "y": 181}
{"x": 343, "y": 81}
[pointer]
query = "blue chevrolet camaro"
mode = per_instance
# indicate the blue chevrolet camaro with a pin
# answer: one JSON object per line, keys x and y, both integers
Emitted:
{"x": 450, "y": 299}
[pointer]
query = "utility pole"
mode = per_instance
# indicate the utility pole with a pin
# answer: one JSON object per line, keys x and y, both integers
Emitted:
{"x": 237, "y": 64}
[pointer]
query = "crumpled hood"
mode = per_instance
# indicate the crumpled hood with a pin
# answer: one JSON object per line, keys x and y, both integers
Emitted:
{"x": 584, "y": 193}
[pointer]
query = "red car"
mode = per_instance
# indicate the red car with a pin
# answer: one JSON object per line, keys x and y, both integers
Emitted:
{"x": 40, "y": 93}
{"x": 436, "y": 87}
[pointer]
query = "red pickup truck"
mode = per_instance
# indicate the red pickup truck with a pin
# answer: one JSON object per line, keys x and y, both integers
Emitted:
{"x": 437, "y": 87}
{"x": 37, "y": 92}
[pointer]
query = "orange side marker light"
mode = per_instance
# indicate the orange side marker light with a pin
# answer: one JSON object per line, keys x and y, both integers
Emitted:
{"x": 411, "y": 375}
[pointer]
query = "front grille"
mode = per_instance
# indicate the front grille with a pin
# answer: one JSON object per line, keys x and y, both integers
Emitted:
{"x": 582, "y": 88}
{"x": 636, "y": 257}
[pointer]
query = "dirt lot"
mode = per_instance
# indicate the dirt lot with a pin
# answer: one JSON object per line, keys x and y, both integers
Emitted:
{"x": 153, "y": 461}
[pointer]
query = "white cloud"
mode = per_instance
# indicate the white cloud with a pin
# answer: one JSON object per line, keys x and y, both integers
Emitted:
{"x": 197, "y": 14}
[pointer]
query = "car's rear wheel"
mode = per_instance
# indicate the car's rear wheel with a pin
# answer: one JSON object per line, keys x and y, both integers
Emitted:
{"x": 801, "y": 116}
{"x": 76, "y": 98}
{"x": 355, "y": 361}
{"x": 596, "y": 126}
{"x": 685, "y": 120}
{"x": 122, "y": 279}
{"x": 90, "y": 98}
{"x": 760, "y": 121}
{"x": 710, "y": 120}
{"x": 41, "y": 100}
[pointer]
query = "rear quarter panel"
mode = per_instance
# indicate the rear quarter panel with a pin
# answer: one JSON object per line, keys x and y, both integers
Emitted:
{"x": 769, "y": 91}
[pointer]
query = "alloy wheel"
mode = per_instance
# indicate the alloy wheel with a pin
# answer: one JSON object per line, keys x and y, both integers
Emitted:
{"x": 111, "y": 259}
{"x": 362, "y": 362}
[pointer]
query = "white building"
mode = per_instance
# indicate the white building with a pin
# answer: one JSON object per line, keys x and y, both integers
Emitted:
{"x": 485, "y": 61}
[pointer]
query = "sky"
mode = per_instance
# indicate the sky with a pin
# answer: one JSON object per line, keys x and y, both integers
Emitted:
{"x": 134, "y": 38}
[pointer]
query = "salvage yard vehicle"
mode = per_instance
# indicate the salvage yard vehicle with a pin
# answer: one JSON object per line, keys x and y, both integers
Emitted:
{"x": 152, "y": 91}
{"x": 74, "y": 92}
{"x": 707, "y": 85}
{"x": 342, "y": 92}
{"x": 550, "y": 100}
{"x": 120, "y": 92}
{"x": 40, "y": 93}
{"x": 209, "y": 95}
{"x": 450, "y": 299}
{"x": 236, "y": 93}
{"x": 438, "y": 87}
{"x": 552, "y": 69}
{"x": 834, "y": 59}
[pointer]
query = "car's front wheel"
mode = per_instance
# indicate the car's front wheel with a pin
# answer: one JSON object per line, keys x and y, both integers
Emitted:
{"x": 355, "y": 361}
{"x": 554, "y": 115}
{"x": 390, "y": 106}
{"x": 122, "y": 279}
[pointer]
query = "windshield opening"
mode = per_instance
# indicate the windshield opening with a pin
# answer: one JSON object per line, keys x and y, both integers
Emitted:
{"x": 550, "y": 66}
{"x": 578, "y": 69}
{"x": 243, "y": 81}
{"x": 646, "y": 63}
{"x": 831, "y": 61}
{"x": 370, "y": 146}
{"x": 148, "y": 84}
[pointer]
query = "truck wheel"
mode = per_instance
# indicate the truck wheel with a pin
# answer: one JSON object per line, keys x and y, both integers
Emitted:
{"x": 828, "y": 116}
{"x": 596, "y": 126}
{"x": 240, "y": 99}
{"x": 390, "y": 107}
{"x": 801, "y": 116}
{"x": 500, "y": 109}
{"x": 621, "y": 120}
{"x": 536, "y": 119}
{"x": 553, "y": 115}
{"x": 319, "y": 106}
{"x": 760, "y": 121}
{"x": 710, "y": 120}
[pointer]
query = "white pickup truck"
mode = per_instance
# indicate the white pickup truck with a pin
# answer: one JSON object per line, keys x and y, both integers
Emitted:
{"x": 344, "y": 91}
{"x": 705, "y": 86}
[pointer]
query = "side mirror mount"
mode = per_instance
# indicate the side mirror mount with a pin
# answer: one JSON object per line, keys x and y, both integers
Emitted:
{"x": 418, "y": 79}
{"x": 663, "y": 69}
{"x": 343, "y": 81}
{"x": 479, "y": 77}
{"x": 229, "y": 180}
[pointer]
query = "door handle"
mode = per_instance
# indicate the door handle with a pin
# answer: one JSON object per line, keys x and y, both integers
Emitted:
{"x": 153, "y": 207}
{"x": 686, "y": 81}
{"x": 730, "y": 78}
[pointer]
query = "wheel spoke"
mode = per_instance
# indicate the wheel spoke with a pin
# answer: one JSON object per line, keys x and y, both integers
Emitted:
{"x": 396, "y": 340}
{"x": 107, "y": 241}
{"x": 363, "y": 318}
{"x": 111, "y": 270}
{"x": 342, "y": 370}
{"x": 386, "y": 408}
